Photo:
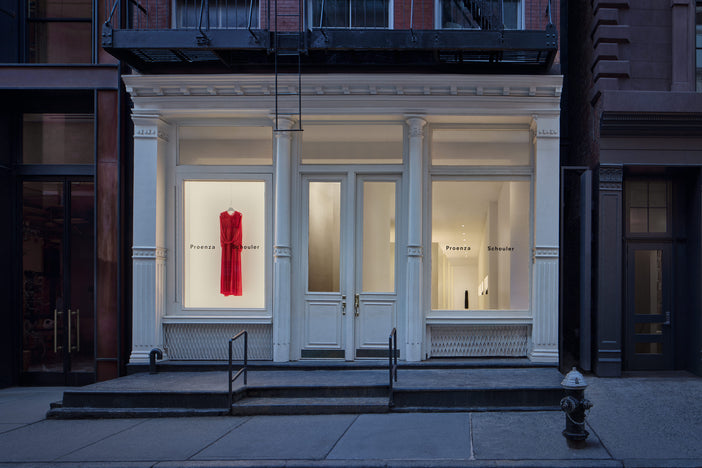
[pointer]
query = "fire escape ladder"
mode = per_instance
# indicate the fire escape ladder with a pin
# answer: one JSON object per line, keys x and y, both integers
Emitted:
{"x": 289, "y": 43}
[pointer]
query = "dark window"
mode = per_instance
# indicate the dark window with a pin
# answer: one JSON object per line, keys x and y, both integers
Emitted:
{"x": 481, "y": 14}
{"x": 221, "y": 14}
{"x": 647, "y": 207}
{"x": 58, "y": 138}
{"x": 350, "y": 14}
{"x": 59, "y": 31}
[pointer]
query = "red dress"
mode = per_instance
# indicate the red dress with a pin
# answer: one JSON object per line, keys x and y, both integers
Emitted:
{"x": 230, "y": 238}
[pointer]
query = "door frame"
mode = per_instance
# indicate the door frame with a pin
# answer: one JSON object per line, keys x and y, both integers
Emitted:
{"x": 66, "y": 177}
{"x": 349, "y": 175}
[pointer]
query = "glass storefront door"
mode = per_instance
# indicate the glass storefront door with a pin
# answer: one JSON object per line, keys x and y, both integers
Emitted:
{"x": 58, "y": 282}
{"x": 350, "y": 258}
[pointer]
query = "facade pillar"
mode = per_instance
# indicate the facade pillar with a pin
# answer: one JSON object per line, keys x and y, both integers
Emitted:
{"x": 282, "y": 251}
{"x": 149, "y": 239}
{"x": 608, "y": 273}
{"x": 415, "y": 311}
{"x": 544, "y": 297}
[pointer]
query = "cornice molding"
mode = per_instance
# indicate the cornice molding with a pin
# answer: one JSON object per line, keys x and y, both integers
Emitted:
{"x": 502, "y": 86}
{"x": 149, "y": 253}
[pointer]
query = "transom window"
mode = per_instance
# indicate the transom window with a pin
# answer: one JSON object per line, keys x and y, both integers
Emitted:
{"x": 481, "y": 14}
{"x": 350, "y": 13}
{"x": 647, "y": 206}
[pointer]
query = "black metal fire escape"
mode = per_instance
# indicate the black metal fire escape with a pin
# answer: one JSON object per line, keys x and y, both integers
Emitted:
{"x": 288, "y": 45}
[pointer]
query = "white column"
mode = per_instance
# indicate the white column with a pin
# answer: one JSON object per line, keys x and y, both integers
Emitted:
{"x": 413, "y": 287}
{"x": 544, "y": 297}
{"x": 281, "y": 250}
{"x": 149, "y": 240}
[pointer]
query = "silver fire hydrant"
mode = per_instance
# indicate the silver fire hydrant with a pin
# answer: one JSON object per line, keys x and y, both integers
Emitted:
{"x": 574, "y": 404}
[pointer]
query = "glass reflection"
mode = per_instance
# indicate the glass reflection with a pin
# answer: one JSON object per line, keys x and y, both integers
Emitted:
{"x": 378, "y": 237}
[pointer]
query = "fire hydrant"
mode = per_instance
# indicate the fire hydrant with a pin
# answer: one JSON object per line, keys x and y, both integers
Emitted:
{"x": 574, "y": 404}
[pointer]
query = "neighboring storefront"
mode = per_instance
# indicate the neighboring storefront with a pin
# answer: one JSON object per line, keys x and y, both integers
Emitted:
{"x": 426, "y": 203}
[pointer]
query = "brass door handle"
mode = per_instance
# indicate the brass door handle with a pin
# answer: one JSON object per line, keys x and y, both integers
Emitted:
{"x": 356, "y": 304}
{"x": 343, "y": 305}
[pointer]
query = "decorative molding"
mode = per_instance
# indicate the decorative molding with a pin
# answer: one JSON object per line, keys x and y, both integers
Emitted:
{"x": 149, "y": 253}
{"x": 282, "y": 252}
{"x": 414, "y": 251}
{"x": 521, "y": 86}
{"x": 545, "y": 252}
{"x": 610, "y": 177}
{"x": 416, "y": 126}
{"x": 479, "y": 341}
{"x": 150, "y": 132}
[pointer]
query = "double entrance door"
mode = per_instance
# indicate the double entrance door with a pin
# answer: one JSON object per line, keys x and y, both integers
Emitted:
{"x": 57, "y": 281}
{"x": 349, "y": 236}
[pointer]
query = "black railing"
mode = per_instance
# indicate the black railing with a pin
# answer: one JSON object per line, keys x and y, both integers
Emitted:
{"x": 243, "y": 370}
{"x": 392, "y": 362}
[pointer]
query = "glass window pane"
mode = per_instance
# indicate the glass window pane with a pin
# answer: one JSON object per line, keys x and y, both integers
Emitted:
{"x": 480, "y": 249}
{"x": 335, "y": 14}
{"x": 42, "y": 275}
{"x": 480, "y": 147}
{"x": 225, "y": 145}
{"x": 82, "y": 277}
{"x": 352, "y": 144}
{"x": 61, "y": 9}
{"x": 378, "y": 237}
{"x": 512, "y": 11}
{"x": 324, "y": 231}
{"x": 638, "y": 194}
{"x": 649, "y": 348}
{"x": 648, "y": 282}
{"x": 649, "y": 328}
{"x": 657, "y": 220}
{"x": 60, "y": 42}
{"x": 58, "y": 139}
{"x": 638, "y": 220}
{"x": 657, "y": 194}
{"x": 230, "y": 14}
{"x": 224, "y": 244}
{"x": 369, "y": 13}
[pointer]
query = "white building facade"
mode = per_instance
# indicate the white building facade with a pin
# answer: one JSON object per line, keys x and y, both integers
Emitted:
{"x": 424, "y": 203}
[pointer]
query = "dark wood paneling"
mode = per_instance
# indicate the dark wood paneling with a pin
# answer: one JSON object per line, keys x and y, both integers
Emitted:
{"x": 107, "y": 219}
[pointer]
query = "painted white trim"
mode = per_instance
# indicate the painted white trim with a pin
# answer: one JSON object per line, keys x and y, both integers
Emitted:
{"x": 195, "y": 319}
{"x": 479, "y": 317}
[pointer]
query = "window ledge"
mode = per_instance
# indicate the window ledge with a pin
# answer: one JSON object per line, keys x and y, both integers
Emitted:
{"x": 479, "y": 317}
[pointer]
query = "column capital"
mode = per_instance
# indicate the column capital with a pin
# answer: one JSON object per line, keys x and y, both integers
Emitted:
{"x": 416, "y": 125}
{"x": 545, "y": 126}
{"x": 610, "y": 177}
{"x": 150, "y": 125}
{"x": 284, "y": 124}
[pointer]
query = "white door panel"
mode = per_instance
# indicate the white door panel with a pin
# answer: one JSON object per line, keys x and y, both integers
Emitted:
{"x": 376, "y": 319}
{"x": 323, "y": 324}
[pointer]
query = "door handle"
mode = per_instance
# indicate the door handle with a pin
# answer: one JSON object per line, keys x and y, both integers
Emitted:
{"x": 76, "y": 313}
{"x": 667, "y": 318}
{"x": 56, "y": 316}
{"x": 356, "y": 304}
{"x": 343, "y": 305}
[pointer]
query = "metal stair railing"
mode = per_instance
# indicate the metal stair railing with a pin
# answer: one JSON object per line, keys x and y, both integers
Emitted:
{"x": 243, "y": 370}
{"x": 392, "y": 363}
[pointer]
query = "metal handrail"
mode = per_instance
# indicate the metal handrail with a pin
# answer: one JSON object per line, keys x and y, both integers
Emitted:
{"x": 243, "y": 369}
{"x": 392, "y": 362}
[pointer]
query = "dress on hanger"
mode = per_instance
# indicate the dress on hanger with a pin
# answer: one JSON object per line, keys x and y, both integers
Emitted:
{"x": 230, "y": 239}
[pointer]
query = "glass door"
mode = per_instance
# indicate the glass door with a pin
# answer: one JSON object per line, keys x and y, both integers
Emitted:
{"x": 58, "y": 282}
{"x": 650, "y": 317}
{"x": 349, "y": 232}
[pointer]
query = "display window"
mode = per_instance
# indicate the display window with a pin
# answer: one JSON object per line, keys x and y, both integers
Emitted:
{"x": 225, "y": 145}
{"x": 480, "y": 244}
{"x": 224, "y": 244}
{"x": 480, "y": 147}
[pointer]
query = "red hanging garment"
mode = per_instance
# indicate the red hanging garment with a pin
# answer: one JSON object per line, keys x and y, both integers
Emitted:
{"x": 230, "y": 238}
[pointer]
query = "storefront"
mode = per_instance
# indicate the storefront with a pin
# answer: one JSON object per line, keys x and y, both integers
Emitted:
{"x": 426, "y": 203}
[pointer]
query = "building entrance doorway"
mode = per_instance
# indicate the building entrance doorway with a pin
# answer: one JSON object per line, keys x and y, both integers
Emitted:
{"x": 349, "y": 250}
{"x": 57, "y": 303}
{"x": 649, "y": 309}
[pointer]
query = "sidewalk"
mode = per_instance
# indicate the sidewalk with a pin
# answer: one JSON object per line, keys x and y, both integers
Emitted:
{"x": 635, "y": 421}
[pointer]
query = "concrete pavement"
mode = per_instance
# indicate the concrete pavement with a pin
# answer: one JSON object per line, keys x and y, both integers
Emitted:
{"x": 638, "y": 421}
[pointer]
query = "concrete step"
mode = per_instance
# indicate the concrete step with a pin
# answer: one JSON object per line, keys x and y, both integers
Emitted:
{"x": 546, "y": 398}
{"x": 317, "y": 391}
{"x": 319, "y": 405}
